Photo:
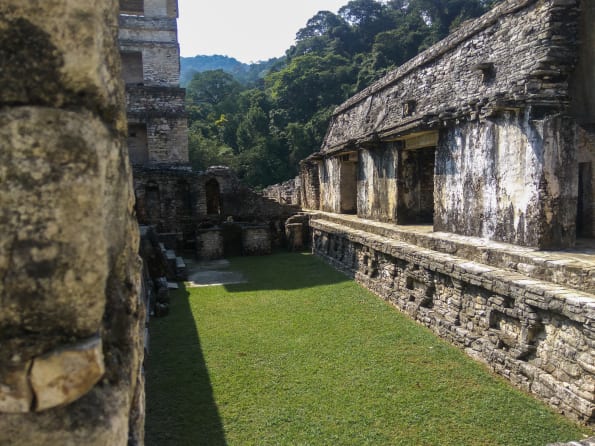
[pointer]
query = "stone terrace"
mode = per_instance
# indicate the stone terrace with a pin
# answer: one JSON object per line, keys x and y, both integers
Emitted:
{"x": 523, "y": 312}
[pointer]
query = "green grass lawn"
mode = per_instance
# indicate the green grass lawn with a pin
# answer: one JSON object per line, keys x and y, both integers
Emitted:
{"x": 301, "y": 355}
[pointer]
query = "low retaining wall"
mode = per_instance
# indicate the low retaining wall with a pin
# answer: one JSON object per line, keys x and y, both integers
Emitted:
{"x": 539, "y": 335}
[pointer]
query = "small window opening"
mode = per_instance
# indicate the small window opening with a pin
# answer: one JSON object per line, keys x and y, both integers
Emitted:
{"x": 132, "y": 67}
{"x": 348, "y": 186}
{"x": 213, "y": 197}
{"x": 416, "y": 186}
{"x": 135, "y": 7}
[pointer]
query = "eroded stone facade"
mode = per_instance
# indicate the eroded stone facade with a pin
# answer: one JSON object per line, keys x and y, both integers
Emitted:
{"x": 199, "y": 208}
{"x": 461, "y": 168}
{"x": 70, "y": 325}
{"x": 150, "y": 54}
{"x": 480, "y": 135}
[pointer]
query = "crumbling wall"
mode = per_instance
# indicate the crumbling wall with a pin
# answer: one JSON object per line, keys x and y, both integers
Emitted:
{"x": 70, "y": 325}
{"x": 491, "y": 63}
{"x": 309, "y": 184}
{"x": 490, "y": 88}
{"x": 288, "y": 192}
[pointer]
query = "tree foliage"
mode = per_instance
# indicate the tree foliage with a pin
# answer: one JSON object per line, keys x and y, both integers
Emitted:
{"x": 262, "y": 130}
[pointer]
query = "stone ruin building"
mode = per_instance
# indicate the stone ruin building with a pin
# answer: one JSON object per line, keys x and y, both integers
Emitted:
{"x": 211, "y": 212}
{"x": 446, "y": 186}
{"x": 443, "y": 187}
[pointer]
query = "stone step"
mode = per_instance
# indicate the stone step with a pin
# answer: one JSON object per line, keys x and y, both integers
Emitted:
{"x": 576, "y": 305}
{"x": 570, "y": 268}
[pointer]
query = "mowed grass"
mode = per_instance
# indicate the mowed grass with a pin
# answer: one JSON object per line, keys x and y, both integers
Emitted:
{"x": 301, "y": 355}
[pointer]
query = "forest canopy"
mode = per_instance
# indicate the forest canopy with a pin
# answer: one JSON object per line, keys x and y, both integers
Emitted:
{"x": 262, "y": 128}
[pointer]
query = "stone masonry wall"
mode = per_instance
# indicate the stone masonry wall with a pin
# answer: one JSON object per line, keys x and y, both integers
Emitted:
{"x": 162, "y": 111}
{"x": 539, "y": 335}
{"x": 309, "y": 185}
{"x": 70, "y": 325}
{"x": 505, "y": 58}
{"x": 495, "y": 95}
{"x": 161, "y": 8}
{"x": 330, "y": 185}
{"x": 160, "y": 61}
{"x": 512, "y": 179}
{"x": 288, "y": 192}
{"x": 377, "y": 183}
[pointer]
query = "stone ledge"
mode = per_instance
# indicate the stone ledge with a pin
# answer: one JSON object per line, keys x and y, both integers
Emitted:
{"x": 537, "y": 334}
{"x": 570, "y": 269}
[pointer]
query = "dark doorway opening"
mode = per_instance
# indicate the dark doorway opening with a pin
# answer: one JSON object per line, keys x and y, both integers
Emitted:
{"x": 132, "y": 7}
{"x": 213, "y": 197}
{"x": 138, "y": 149}
{"x": 416, "y": 186}
{"x": 584, "y": 211}
{"x": 153, "y": 203}
{"x": 348, "y": 185}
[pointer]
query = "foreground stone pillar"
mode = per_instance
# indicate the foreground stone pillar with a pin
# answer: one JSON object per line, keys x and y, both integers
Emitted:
{"x": 70, "y": 347}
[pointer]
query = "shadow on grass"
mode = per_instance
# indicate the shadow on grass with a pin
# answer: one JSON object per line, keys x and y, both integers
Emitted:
{"x": 283, "y": 271}
{"x": 181, "y": 409}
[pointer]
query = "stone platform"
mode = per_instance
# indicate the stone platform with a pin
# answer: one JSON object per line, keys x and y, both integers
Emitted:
{"x": 528, "y": 314}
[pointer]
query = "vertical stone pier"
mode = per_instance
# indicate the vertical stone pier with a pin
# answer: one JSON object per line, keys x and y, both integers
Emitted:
{"x": 70, "y": 314}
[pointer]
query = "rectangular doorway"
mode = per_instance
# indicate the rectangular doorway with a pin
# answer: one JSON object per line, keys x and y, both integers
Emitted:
{"x": 348, "y": 184}
{"x": 584, "y": 211}
{"x": 416, "y": 186}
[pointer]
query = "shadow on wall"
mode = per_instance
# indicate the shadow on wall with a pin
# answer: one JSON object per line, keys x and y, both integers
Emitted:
{"x": 181, "y": 409}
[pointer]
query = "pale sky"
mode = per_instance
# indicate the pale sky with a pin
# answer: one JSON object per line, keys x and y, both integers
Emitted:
{"x": 249, "y": 30}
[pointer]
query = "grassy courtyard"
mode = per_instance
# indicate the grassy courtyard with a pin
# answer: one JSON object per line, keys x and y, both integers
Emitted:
{"x": 300, "y": 355}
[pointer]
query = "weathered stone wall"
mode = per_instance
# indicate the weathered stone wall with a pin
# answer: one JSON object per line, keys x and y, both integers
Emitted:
{"x": 377, "y": 183}
{"x": 155, "y": 103}
{"x": 583, "y": 78}
{"x": 309, "y": 184}
{"x": 209, "y": 244}
{"x": 496, "y": 95}
{"x": 506, "y": 58}
{"x": 512, "y": 179}
{"x": 256, "y": 240}
{"x": 330, "y": 185}
{"x": 178, "y": 200}
{"x": 70, "y": 325}
{"x": 161, "y": 8}
{"x": 538, "y": 335}
{"x": 288, "y": 192}
{"x": 160, "y": 61}
{"x": 163, "y": 113}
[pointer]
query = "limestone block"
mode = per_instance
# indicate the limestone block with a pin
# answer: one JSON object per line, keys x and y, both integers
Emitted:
{"x": 15, "y": 393}
{"x": 67, "y": 374}
{"x": 58, "y": 53}
{"x": 587, "y": 362}
{"x": 53, "y": 171}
